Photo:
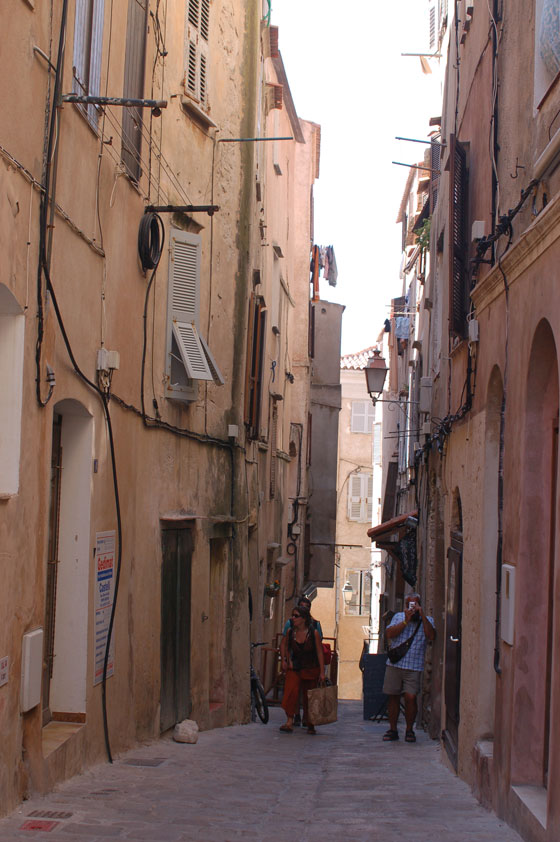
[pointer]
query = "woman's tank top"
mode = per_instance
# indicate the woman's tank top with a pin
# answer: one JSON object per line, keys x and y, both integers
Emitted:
{"x": 304, "y": 655}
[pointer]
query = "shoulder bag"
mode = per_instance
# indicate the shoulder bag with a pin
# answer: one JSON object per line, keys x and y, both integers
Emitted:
{"x": 398, "y": 652}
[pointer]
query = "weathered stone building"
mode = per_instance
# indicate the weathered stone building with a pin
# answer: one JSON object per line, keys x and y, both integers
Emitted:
{"x": 154, "y": 296}
{"x": 486, "y": 470}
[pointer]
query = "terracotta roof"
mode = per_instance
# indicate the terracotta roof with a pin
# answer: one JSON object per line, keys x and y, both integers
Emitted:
{"x": 357, "y": 361}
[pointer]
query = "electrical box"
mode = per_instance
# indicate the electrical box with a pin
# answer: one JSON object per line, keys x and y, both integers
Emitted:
{"x": 473, "y": 330}
{"x": 233, "y": 431}
{"x": 31, "y": 669}
{"x": 508, "y": 603}
{"x": 425, "y": 402}
{"x": 478, "y": 229}
{"x": 108, "y": 360}
{"x": 114, "y": 360}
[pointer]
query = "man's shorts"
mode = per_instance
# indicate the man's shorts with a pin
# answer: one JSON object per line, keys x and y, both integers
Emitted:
{"x": 398, "y": 680}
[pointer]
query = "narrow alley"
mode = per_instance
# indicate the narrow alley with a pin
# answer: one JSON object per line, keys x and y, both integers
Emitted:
{"x": 255, "y": 783}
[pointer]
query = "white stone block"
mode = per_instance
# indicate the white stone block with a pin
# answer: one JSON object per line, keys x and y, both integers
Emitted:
{"x": 186, "y": 731}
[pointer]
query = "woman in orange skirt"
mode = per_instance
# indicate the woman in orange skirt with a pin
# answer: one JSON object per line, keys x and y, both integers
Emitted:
{"x": 303, "y": 666}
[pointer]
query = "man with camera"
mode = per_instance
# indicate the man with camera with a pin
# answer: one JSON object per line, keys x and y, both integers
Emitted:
{"x": 408, "y": 632}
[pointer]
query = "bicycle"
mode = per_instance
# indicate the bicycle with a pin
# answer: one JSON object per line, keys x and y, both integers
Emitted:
{"x": 259, "y": 704}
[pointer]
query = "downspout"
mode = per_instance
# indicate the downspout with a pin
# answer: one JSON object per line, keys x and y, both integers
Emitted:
{"x": 495, "y": 210}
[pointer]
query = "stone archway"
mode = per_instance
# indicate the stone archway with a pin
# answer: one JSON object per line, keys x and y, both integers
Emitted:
{"x": 533, "y": 652}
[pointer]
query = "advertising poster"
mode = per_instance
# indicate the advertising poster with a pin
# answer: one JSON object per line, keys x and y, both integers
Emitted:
{"x": 104, "y": 594}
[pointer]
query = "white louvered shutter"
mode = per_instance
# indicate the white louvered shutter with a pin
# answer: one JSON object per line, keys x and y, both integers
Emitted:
{"x": 358, "y": 421}
{"x": 196, "y": 49}
{"x": 80, "y": 64}
{"x": 88, "y": 48}
{"x": 432, "y": 24}
{"x": 184, "y": 277}
{"x": 369, "y": 498}
{"x": 355, "y": 497}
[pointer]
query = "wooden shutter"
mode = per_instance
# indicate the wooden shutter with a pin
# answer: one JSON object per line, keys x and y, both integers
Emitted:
{"x": 358, "y": 422}
{"x": 355, "y": 497}
{"x": 435, "y": 163}
{"x": 95, "y": 56}
{"x": 184, "y": 280}
{"x": 458, "y": 294}
{"x": 196, "y": 50}
{"x": 88, "y": 46}
{"x": 255, "y": 361}
{"x": 82, "y": 39}
{"x": 368, "y": 482}
{"x": 273, "y": 451}
{"x": 133, "y": 86}
{"x": 432, "y": 25}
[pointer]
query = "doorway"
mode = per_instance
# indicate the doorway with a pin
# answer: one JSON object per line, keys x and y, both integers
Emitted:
{"x": 453, "y": 646}
{"x": 176, "y": 572}
{"x": 65, "y": 653}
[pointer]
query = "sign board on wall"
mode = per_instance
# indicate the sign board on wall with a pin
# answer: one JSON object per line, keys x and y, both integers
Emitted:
{"x": 104, "y": 595}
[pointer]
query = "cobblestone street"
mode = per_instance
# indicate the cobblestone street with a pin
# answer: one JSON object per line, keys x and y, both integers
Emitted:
{"x": 254, "y": 783}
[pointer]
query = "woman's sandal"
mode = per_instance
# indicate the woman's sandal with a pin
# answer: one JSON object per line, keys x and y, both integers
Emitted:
{"x": 287, "y": 729}
{"x": 311, "y": 729}
{"x": 410, "y": 737}
{"x": 390, "y": 735}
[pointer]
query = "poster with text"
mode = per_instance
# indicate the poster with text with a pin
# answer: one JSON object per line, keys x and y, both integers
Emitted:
{"x": 104, "y": 562}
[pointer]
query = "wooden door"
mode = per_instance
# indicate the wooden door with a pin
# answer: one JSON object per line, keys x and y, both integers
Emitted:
{"x": 453, "y": 646}
{"x": 52, "y": 566}
{"x": 177, "y": 545}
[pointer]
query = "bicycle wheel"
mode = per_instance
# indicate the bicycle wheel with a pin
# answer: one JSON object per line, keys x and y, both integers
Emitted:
{"x": 259, "y": 701}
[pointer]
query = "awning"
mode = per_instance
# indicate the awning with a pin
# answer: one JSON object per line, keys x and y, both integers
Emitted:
{"x": 377, "y": 533}
{"x": 397, "y": 536}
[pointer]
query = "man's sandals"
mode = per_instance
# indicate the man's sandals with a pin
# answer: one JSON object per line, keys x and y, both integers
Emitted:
{"x": 390, "y": 736}
{"x": 410, "y": 737}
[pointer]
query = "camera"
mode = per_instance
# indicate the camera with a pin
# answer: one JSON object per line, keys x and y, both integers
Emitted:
{"x": 413, "y": 606}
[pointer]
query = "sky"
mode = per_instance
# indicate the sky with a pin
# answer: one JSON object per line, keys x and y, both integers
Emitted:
{"x": 346, "y": 73}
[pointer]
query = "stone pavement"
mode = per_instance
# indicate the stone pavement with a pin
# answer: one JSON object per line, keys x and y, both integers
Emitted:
{"x": 253, "y": 783}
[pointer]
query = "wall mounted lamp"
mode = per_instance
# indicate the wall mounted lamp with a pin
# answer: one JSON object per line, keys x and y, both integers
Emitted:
{"x": 347, "y": 593}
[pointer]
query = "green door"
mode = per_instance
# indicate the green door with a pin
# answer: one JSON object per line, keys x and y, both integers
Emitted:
{"x": 177, "y": 544}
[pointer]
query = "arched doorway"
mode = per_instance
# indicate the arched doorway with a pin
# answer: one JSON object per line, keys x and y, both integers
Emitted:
{"x": 67, "y": 575}
{"x": 488, "y": 575}
{"x": 453, "y": 611}
{"x": 534, "y": 664}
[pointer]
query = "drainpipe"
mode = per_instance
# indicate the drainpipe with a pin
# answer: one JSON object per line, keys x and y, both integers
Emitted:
{"x": 495, "y": 210}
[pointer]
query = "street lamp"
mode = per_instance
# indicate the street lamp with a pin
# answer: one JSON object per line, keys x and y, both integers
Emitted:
{"x": 376, "y": 372}
{"x": 347, "y": 593}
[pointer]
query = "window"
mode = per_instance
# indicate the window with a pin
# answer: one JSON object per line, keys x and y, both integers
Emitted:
{"x": 360, "y": 498}
{"x": 363, "y": 413}
{"x": 255, "y": 362}
{"x": 188, "y": 356}
{"x": 360, "y": 603}
{"x": 88, "y": 44}
{"x": 133, "y": 86}
{"x": 458, "y": 276}
{"x": 547, "y": 45}
{"x": 196, "y": 50}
